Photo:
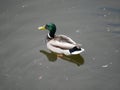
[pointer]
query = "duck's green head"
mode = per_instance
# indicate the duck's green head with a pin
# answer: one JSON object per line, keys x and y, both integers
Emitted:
{"x": 51, "y": 27}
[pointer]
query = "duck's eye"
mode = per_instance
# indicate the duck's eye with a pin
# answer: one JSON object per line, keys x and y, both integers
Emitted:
{"x": 46, "y": 26}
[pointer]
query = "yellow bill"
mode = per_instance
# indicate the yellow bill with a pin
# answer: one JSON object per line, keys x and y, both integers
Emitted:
{"x": 42, "y": 27}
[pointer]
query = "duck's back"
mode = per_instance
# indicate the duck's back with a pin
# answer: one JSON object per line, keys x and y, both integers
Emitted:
{"x": 65, "y": 39}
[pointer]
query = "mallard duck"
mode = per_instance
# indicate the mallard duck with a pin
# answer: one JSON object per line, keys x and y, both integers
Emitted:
{"x": 60, "y": 44}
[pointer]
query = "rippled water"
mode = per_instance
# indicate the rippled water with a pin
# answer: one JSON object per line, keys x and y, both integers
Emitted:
{"x": 26, "y": 63}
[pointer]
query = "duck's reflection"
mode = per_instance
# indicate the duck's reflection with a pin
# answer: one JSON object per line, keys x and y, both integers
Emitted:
{"x": 76, "y": 59}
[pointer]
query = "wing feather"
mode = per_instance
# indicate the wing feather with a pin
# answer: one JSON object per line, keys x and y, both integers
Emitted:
{"x": 64, "y": 38}
{"x": 63, "y": 42}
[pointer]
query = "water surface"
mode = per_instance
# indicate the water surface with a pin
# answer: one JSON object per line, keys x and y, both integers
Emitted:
{"x": 26, "y": 63}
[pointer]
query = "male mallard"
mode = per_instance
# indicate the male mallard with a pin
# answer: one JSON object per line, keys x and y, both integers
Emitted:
{"x": 60, "y": 44}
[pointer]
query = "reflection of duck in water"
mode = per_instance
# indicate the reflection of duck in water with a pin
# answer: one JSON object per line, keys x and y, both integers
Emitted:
{"x": 77, "y": 59}
{"x": 60, "y": 44}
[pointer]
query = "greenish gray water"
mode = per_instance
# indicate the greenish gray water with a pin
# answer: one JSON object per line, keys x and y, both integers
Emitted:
{"x": 26, "y": 63}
